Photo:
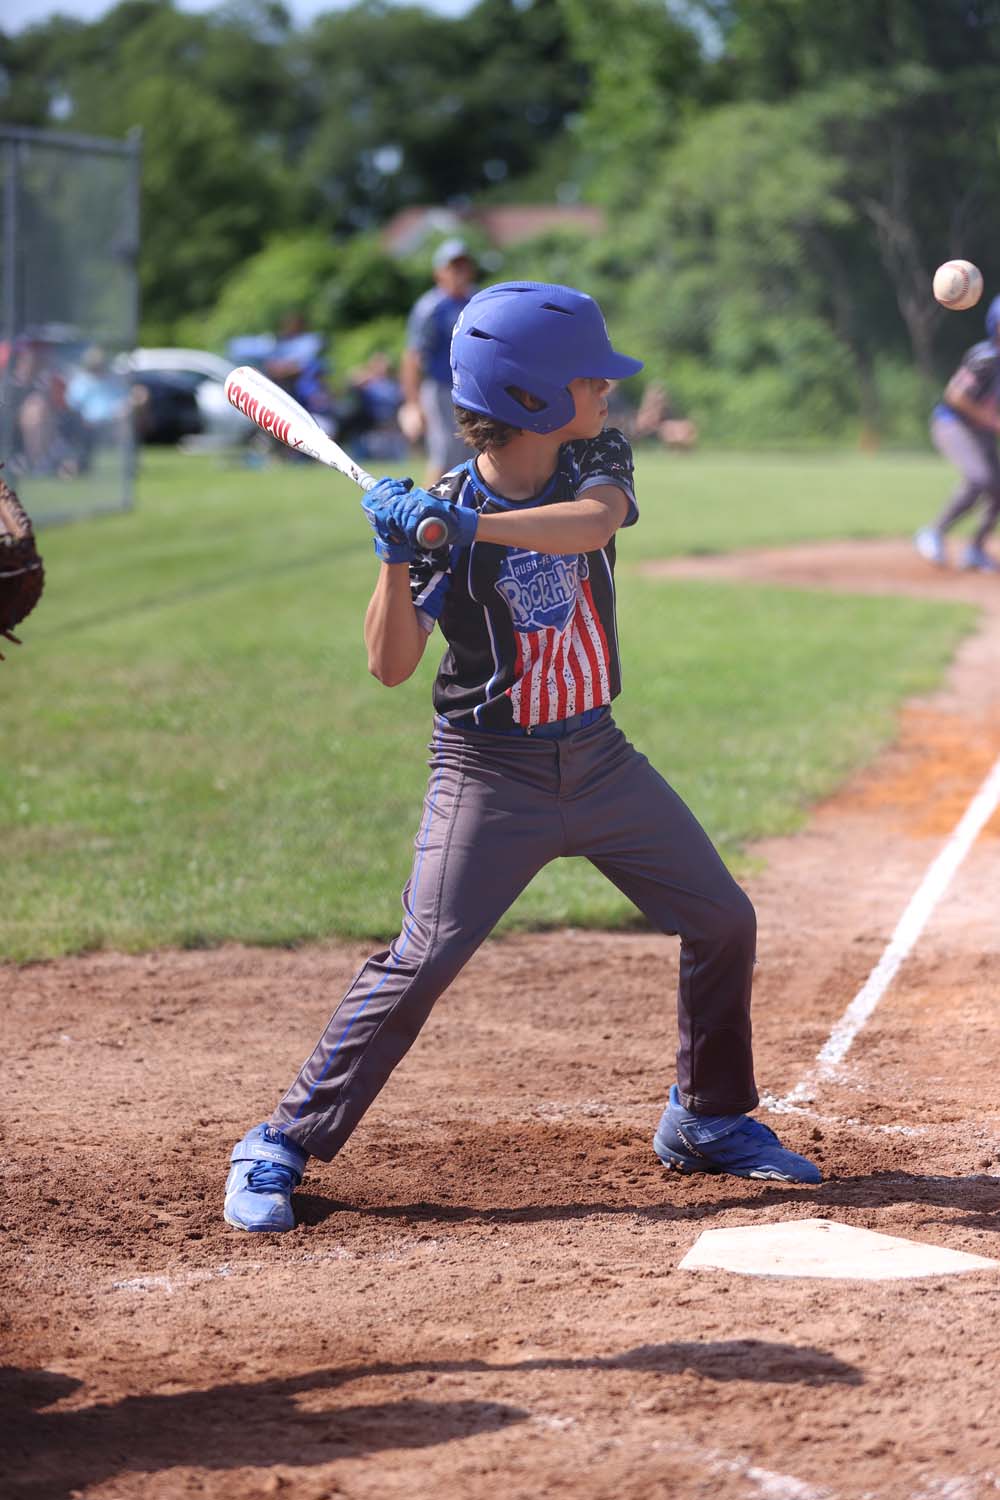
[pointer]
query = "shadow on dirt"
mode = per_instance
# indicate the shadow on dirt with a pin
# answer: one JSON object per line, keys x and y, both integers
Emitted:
{"x": 729, "y": 1359}
{"x": 51, "y": 1454}
{"x": 977, "y": 1196}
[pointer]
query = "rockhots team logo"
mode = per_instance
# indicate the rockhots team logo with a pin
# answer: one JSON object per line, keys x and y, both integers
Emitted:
{"x": 541, "y": 590}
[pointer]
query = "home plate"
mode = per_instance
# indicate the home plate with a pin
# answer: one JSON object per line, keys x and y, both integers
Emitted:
{"x": 818, "y": 1247}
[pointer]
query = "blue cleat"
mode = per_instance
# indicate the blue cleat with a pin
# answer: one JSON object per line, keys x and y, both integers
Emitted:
{"x": 930, "y": 545}
{"x": 266, "y": 1169}
{"x": 975, "y": 560}
{"x": 736, "y": 1144}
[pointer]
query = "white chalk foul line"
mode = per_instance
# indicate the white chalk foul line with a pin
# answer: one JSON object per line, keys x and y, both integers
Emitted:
{"x": 908, "y": 929}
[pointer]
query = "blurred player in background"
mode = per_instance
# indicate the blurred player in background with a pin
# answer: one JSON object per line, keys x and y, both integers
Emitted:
{"x": 425, "y": 371}
{"x": 964, "y": 428}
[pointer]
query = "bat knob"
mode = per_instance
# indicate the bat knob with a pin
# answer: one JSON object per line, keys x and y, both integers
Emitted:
{"x": 432, "y": 533}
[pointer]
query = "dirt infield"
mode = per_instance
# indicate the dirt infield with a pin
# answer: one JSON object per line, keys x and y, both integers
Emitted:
{"x": 483, "y": 1296}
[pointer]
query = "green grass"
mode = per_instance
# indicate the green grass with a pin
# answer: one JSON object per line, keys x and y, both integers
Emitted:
{"x": 715, "y": 502}
{"x": 194, "y": 751}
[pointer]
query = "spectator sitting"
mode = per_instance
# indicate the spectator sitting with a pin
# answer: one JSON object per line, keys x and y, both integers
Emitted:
{"x": 298, "y": 364}
{"x": 293, "y": 359}
{"x": 380, "y": 396}
{"x": 99, "y": 402}
{"x": 41, "y": 440}
{"x": 656, "y": 418}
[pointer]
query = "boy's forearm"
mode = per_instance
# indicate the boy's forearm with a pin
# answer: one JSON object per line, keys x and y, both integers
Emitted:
{"x": 394, "y": 636}
{"x": 583, "y": 525}
{"x": 979, "y": 412}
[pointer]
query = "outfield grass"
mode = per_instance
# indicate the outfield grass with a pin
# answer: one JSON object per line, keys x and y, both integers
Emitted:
{"x": 700, "y": 503}
{"x": 194, "y": 750}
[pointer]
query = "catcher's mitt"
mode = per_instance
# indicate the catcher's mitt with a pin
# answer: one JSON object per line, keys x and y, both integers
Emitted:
{"x": 21, "y": 572}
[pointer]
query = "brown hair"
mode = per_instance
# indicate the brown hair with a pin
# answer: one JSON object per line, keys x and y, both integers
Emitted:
{"x": 482, "y": 432}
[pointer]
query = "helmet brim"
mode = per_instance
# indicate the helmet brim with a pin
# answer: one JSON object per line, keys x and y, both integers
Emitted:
{"x": 616, "y": 367}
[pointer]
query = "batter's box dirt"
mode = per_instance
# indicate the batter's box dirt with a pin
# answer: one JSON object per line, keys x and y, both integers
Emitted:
{"x": 483, "y": 1296}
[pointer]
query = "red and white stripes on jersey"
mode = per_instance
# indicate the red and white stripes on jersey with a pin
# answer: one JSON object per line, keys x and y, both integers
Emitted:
{"x": 562, "y": 672}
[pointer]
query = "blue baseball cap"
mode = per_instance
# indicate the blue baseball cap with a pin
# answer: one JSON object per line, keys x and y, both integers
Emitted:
{"x": 451, "y": 250}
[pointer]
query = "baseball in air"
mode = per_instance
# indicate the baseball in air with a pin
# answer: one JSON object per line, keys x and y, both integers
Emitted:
{"x": 958, "y": 284}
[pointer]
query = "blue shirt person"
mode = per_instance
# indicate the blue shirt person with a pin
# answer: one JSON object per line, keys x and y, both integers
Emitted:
{"x": 425, "y": 371}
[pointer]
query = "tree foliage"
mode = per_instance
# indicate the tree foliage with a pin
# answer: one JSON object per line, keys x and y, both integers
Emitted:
{"x": 780, "y": 177}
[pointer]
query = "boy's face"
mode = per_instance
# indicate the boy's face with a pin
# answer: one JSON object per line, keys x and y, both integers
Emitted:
{"x": 590, "y": 395}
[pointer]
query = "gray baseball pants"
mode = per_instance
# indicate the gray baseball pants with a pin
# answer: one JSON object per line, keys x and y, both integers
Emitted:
{"x": 497, "y": 810}
{"x": 445, "y": 449}
{"x": 975, "y": 455}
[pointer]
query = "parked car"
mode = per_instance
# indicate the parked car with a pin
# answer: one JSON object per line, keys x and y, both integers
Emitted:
{"x": 179, "y": 397}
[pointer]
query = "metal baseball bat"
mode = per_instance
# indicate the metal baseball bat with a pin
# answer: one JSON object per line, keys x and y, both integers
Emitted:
{"x": 278, "y": 414}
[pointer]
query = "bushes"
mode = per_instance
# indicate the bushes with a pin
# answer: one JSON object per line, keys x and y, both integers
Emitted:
{"x": 337, "y": 287}
{"x": 291, "y": 273}
{"x": 354, "y": 346}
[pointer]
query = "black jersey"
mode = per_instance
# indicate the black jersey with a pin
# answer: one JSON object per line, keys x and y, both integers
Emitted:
{"x": 531, "y": 636}
{"x": 978, "y": 376}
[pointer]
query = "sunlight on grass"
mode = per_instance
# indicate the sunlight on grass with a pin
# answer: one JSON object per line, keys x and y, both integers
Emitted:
{"x": 199, "y": 752}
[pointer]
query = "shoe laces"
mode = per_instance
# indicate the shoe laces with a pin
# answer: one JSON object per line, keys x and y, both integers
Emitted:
{"x": 270, "y": 1177}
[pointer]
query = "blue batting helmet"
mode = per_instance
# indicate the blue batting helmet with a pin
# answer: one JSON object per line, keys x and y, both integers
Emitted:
{"x": 537, "y": 338}
{"x": 993, "y": 318}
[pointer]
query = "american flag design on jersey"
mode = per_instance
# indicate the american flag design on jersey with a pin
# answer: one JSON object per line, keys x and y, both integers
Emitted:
{"x": 563, "y": 662}
{"x": 531, "y": 636}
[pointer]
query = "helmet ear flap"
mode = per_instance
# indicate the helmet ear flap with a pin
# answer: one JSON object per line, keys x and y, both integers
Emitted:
{"x": 485, "y": 380}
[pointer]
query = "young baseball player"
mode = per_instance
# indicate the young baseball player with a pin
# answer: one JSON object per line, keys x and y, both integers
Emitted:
{"x": 964, "y": 428}
{"x": 527, "y": 761}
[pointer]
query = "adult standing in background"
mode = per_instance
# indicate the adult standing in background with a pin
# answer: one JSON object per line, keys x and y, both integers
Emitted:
{"x": 425, "y": 371}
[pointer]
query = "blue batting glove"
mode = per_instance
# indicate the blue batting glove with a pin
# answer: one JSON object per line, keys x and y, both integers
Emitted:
{"x": 459, "y": 524}
{"x": 404, "y": 505}
{"x": 385, "y": 491}
{"x": 383, "y": 496}
{"x": 390, "y": 542}
{"x": 393, "y": 552}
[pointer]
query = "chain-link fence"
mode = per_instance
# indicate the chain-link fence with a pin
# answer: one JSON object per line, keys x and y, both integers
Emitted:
{"x": 68, "y": 273}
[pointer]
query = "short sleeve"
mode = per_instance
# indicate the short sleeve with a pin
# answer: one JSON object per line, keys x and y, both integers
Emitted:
{"x": 430, "y": 579}
{"x": 430, "y": 572}
{"x": 606, "y": 459}
{"x": 977, "y": 374}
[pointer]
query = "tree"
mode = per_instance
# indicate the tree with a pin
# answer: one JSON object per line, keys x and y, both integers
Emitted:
{"x": 646, "y": 76}
{"x": 725, "y": 295}
{"x": 775, "y": 48}
{"x": 902, "y": 90}
{"x": 408, "y": 107}
{"x": 208, "y": 202}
